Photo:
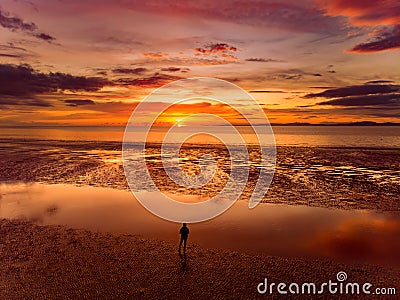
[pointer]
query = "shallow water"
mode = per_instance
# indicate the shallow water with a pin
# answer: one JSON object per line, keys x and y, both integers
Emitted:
{"x": 314, "y": 136}
{"x": 273, "y": 229}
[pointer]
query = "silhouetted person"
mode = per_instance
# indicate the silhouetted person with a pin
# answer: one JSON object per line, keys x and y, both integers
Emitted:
{"x": 184, "y": 232}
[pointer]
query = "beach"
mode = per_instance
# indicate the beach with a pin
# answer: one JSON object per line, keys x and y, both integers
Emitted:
{"x": 50, "y": 262}
{"x": 71, "y": 229}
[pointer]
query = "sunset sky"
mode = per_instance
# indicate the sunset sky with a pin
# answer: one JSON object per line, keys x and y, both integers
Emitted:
{"x": 90, "y": 62}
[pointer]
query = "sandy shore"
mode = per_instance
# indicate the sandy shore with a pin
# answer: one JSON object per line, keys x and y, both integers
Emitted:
{"x": 54, "y": 262}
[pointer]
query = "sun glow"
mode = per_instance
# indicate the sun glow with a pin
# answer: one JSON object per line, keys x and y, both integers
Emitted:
{"x": 179, "y": 122}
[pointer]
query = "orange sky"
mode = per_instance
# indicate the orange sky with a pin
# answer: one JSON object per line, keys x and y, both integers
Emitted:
{"x": 90, "y": 63}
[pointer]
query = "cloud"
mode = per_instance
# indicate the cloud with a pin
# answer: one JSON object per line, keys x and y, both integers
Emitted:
{"x": 152, "y": 81}
{"x": 23, "y": 81}
{"x": 371, "y": 94}
{"x": 298, "y": 16}
{"x": 15, "y": 23}
{"x": 11, "y": 46}
{"x": 134, "y": 71}
{"x": 356, "y": 90}
{"x": 379, "y": 81}
{"x": 364, "y": 12}
{"x": 373, "y": 15}
{"x": 175, "y": 69}
{"x": 10, "y": 55}
{"x": 157, "y": 55}
{"x": 387, "y": 100}
{"x": 45, "y": 37}
{"x": 218, "y": 48}
{"x": 12, "y": 51}
{"x": 264, "y": 60}
{"x": 78, "y": 102}
{"x": 206, "y": 56}
{"x": 290, "y": 74}
{"x": 218, "y": 51}
{"x": 10, "y": 101}
{"x": 381, "y": 40}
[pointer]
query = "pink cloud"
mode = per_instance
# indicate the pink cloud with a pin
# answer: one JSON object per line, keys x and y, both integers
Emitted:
{"x": 371, "y": 14}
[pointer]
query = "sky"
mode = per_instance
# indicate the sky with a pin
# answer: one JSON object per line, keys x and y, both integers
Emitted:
{"x": 91, "y": 62}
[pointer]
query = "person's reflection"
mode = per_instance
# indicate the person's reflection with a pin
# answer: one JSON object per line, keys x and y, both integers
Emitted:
{"x": 183, "y": 261}
{"x": 184, "y": 232}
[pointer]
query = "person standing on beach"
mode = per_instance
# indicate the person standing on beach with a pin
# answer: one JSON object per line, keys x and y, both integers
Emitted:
{"x": 184, "y": 232}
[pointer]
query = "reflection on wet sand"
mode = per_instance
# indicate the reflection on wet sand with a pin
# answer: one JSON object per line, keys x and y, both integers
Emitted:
{"x": 297, "y": 231}
{"x": 348, "y": 178}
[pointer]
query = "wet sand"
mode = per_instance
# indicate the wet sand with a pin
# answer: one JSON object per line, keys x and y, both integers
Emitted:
{"x": 346, "y": 178}
{"x": 363, "y": 236}
{"x": 48, "y": 262}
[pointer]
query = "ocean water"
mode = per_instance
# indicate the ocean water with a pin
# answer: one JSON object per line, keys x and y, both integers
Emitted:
{"x": 313, "y": 136}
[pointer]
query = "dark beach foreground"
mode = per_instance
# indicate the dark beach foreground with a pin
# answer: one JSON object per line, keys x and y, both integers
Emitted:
{"x": 54, "y": 262}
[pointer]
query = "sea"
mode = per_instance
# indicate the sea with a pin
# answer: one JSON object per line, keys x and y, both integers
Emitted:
{"x": 312, "y": 136}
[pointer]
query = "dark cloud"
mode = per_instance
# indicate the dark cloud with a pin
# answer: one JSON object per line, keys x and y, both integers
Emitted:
{"x": 10, "y": 55}
{"x": 218, "y": 52}
{"x": 152, "y": 81}
{"x": 134, "y": 71}
{"x": 383, "y": 39}
{"x": 356, "y": 90}
{"x": 10, "y": 101}
{"x": 12, "y": 51}
{"x": 78, "y": 102}
{"x": 371, "y": 96}
{"x": 350, "y": 111}
{"x": 264, "y": 60}
{"x": 387, "y": 100}
{"x": 14, "y": 23}
{"x": 291, "y": 74}
{"x": 221, "y": 51}
{"x": 216, "y": 48}
{"x": 44, "y": 36}
{"x": 11, "y": 46}
{"x": 174, "y": 69}
{"x": 379, "y": 81}
{"x": 23, "y": 81}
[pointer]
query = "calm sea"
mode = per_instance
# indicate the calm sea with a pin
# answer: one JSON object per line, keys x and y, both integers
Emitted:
{"x": 337, "y": 136}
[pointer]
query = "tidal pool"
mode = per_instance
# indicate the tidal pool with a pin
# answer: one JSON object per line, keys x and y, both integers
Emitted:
{"x": 362, "y": 236}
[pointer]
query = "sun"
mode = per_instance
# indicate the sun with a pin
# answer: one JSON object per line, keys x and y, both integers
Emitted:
{"x": 179, "y": 122}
